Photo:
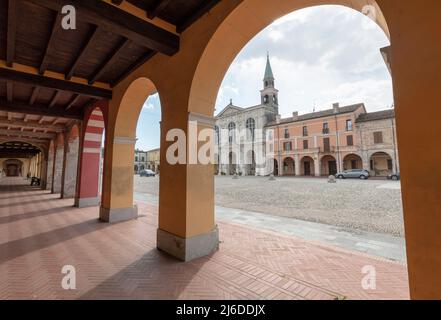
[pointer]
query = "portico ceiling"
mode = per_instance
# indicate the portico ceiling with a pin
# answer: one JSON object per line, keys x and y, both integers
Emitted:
{"x": 49, "y": 75}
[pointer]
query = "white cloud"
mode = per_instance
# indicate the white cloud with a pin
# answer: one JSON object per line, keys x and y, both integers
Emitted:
{"x": 319, "y": 55}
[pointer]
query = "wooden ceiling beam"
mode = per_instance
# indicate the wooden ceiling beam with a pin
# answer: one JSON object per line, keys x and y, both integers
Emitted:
{"x": 39, "y": 110}
{"x": 72, "y": 101}
{"x": 11, "y": 33}
{"x": 53, "y": 83}
{"x": 158, "y": 9}
{"x": 24, "y": 134}
{"x": 86, "y": 46}
{"x": 9, "y": 91}
{"x": 110, "y": 18}
{"x": 110, "y": 60}
{"x": 34, "y": 95}
{"x": 50, "y": 45}
{"x": 30, "y": 125}
{"x": 143, "y": 59}
{"x": 55, "y": 98}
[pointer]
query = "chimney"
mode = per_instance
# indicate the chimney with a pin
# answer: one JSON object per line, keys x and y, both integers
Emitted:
{"x": 278, "y": 118}
{"x": 336, "y": 107}
{"x": 295, "y": 115}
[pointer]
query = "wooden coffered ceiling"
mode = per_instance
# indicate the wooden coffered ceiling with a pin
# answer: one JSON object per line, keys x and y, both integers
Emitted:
{"x": 48, "y": 74}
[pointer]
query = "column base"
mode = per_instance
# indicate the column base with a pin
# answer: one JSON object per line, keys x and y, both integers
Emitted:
{"x": 187, "y": 249}
{"x": 118, "y": 215}
{"x": 87, "y": 202}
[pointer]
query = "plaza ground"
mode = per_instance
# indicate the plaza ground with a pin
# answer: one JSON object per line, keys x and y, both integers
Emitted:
{"x": 40, "y": 233}
{"x": 371, "y": 206}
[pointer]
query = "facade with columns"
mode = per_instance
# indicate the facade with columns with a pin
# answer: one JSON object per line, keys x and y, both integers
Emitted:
{"x": 330, "y": 141}
{"x": 240, "y": 132}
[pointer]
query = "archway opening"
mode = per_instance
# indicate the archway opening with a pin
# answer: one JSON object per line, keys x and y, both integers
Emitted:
{"x": 289, "y": 167}
{"x": 352, "y": 162}
{"x": 307, "y": 166}
{"x": 381, "y": 164}
{"x": 328, "y": 165}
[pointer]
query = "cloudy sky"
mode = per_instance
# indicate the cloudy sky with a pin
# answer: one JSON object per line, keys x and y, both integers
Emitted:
{"x": 319, "y": 56}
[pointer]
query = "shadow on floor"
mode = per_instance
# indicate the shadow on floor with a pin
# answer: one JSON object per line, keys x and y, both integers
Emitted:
{"x": 155, "y": 276}
{"x": 34, "y": 214}
{"x": 13, "y": 249}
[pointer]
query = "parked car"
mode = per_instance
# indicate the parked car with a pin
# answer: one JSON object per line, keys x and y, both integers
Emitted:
{"x": 354, "y": 173}
{"x": 147, "y": 173}
{"x": 394, "y": 176}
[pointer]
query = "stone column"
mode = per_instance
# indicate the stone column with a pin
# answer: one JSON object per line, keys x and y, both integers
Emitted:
{"x": 297, "y": 164}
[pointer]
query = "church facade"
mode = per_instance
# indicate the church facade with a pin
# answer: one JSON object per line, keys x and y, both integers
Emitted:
{"x": 240, "y": 140}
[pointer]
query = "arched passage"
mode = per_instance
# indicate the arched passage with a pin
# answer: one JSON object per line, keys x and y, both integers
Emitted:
{"x": 289, "y": 167}
{"x": 381, "y": 164}
{"x": 328, "y": 165}
{"x": 117, "y": 200}
{"x": 307, "y": 167}
{"x": 352, "y": 161}
{"x": 13, "y": 168}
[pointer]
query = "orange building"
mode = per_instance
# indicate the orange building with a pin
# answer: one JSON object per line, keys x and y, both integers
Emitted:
{"x": 325, "y": 142}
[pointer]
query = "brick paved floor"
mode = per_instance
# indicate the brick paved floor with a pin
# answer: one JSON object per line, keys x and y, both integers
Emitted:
{"x": 39, "y": 234}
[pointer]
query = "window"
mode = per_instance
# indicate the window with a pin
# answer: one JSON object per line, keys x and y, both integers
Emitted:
{"x": 305, "y": 144}
{"x": 325, "y": 128}
{"x": 305, "y": 131}
{"x": 378, "y": 137}
{"x": 287, "y": 146}
{"x": 251, "y": 128}
{"x": 136, "y": 159}
{"x": 326, "y": 145}
{"x": 286, "y": 133}
{"x": 231, "y": 132}
{"x": 349, "y": 126}
{"x": 216, "y": 135}
{"x": 350, "y": 140}
{"x": 142, "y": 159}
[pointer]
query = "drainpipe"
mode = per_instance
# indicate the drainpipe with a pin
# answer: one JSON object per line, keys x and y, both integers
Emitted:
{"x": 395, "y": 145}
{"x": 340, "y": 164}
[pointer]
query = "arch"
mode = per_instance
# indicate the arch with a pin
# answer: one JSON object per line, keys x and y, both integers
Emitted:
{"x": 289, "y": 167}
{"x": 352, "y": 161}
{"x": 328, "y": 165}
{"x": 307, "y": 167}
{"x": 211, "y": 67}
{"x": 13, "y": 168}
{"x": 381, "y": 164}
{"x": 125, "y": 108}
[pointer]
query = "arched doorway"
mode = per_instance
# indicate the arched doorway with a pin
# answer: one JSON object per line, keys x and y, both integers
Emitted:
{"x": 13, "y": 168}
{"x": 307, "y": 166}
{"x": 289, "y": 167}
{"x": 118, "y": 187}
{"x": 328, "y": 165}
{"x": 352, "y": 161}
{"x": 275, "y": 167}
{"x": 232, "y": 163}
{"x": 381, "y": 164}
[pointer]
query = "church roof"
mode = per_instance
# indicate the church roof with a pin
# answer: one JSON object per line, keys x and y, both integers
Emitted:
{"x": 268, "y": 69}
{"x": 229, "y": 107}
{"x": 374, "y": 116}
{"x": 319, "y": 114}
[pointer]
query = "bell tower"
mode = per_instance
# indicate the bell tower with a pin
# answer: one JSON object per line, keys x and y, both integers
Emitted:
{"x": 269, "y": 94}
